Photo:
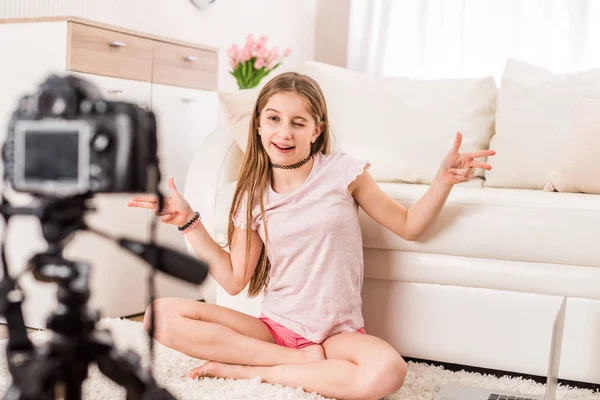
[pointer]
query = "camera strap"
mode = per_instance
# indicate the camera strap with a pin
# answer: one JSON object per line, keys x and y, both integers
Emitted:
{"x": 5, "y": 211}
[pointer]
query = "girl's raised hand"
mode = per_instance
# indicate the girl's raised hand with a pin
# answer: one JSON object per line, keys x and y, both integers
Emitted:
{"x": 177, "y": 211}
{"x": 460, "y": 167}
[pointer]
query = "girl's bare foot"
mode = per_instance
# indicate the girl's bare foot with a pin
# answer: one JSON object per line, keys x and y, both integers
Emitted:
{"x": 221, "y": 370}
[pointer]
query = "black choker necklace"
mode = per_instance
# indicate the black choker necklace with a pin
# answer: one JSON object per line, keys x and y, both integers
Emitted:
{"x": 293, "y": 166}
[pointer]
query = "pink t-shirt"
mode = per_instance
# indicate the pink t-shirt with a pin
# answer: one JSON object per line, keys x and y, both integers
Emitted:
{"x": 315, "y": 250}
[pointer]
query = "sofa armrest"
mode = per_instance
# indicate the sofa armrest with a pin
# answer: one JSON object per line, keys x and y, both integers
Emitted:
{"x": 215, "y": 164}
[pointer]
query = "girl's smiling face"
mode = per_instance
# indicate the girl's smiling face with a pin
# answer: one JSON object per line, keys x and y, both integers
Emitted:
{"x": 287, "y": 129}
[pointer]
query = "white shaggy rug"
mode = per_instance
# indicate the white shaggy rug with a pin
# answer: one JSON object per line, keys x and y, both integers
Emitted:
{"x": 171, "y": 371}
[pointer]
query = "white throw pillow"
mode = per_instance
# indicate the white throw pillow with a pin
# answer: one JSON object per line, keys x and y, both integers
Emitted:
{"x": 532, "y": 121}
{"x": 405, "y": 127}
{"x": 579, "y": 169}
{"x": 237, "y": 107}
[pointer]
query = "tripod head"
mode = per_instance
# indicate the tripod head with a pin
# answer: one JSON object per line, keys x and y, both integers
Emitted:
{"x": 62, "y": 217}
{"x": 60, "y": 220}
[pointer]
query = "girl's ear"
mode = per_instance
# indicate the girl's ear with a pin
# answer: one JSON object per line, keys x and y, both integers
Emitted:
{"x": 317, "y": 132}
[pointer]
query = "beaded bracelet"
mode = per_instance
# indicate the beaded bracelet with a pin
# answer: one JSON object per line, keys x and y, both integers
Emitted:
{"x": 190, "y": 224}
{"x": 191, "y": 227}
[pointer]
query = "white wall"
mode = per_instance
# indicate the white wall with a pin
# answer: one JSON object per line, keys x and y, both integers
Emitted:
{"x": 288, "y": 23}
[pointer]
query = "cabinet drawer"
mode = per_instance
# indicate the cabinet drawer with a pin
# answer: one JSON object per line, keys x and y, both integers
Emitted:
{"x": 106, "y": 52}
{"x": 184, "y": 66}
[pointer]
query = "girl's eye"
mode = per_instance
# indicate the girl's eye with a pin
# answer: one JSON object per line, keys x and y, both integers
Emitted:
{"x": 275, "y": 118}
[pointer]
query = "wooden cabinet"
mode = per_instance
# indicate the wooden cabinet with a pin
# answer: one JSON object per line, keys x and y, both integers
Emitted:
{"x": 183, "y": 66}
{"x": 177, "y": 80}
{"x": 107, "y": 52}
{"x": 118, "y": 89}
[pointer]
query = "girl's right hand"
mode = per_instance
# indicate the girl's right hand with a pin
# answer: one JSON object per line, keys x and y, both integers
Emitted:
{"x": 176, "y": 211}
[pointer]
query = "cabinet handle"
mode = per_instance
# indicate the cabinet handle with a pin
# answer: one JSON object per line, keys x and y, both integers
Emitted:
{"x": 114, "y": 91}
{"x": 188, "y": 99}
{"x": 190, "y": 58}
{"x": 116, "y": 43}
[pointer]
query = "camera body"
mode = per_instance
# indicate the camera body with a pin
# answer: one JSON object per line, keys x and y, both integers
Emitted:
{"x": 66, "y": 140}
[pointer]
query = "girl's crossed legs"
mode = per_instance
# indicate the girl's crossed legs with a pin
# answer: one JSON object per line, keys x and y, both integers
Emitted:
{"x": 211, "y": 332}
{"x": 346, "y": 366}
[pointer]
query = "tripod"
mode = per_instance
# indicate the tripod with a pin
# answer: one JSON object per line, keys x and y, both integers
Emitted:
{"x": 62, "y": 363}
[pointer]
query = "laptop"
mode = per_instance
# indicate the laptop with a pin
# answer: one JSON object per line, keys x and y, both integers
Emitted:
{"x": 453, "y": 391}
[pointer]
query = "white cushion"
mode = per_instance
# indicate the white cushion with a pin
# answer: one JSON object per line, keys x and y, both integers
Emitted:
{"x": 405, "y": 126}
{"x": 517, "y": 276}
{"x": 237, "y": 107}
{"x": 532, "y": 120}
{"x": 502, "y": 224}
{"x": 579, "y": 169}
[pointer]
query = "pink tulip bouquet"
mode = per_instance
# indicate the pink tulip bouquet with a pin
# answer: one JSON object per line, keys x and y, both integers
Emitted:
{"x": 254, "y": 61}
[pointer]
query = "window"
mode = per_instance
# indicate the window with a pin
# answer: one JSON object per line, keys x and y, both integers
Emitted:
{"x": 430, "y": 39}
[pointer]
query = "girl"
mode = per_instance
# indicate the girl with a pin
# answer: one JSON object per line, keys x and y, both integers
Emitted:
{"x": 294, "y": 233}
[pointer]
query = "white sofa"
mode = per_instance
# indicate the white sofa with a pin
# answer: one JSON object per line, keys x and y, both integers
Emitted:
{"x": 483, "y": 285}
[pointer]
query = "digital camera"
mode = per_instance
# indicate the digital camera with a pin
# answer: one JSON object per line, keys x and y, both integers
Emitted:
{"x": 66, "y": 140}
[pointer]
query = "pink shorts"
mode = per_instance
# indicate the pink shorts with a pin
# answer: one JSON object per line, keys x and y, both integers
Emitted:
{"x": 287, "y": 338}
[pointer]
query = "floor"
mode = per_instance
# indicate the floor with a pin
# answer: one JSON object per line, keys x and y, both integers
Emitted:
{"x": 4, "y": 329}
{"x": 448, "y": 367}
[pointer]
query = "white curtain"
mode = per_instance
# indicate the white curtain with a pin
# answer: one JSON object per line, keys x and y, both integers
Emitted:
{"x": 429, "y": 39}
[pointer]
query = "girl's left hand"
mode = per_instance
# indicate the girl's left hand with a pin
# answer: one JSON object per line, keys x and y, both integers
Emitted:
{"x": 460, "y": 167}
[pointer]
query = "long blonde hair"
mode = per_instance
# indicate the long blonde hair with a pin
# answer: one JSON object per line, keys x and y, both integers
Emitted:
{"x": 255, "y": 172}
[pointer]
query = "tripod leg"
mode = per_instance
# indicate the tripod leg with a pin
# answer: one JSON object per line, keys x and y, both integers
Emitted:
{"x": 32, "y": 379}
{"x": 125, "y": 369}
{"x": 74, "y": 376}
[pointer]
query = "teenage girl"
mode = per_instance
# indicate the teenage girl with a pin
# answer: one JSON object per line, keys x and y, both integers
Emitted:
{"x": 294, "y": 235}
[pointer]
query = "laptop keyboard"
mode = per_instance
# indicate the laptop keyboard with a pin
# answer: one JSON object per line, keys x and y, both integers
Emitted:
{"x": 495, "y": 396}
